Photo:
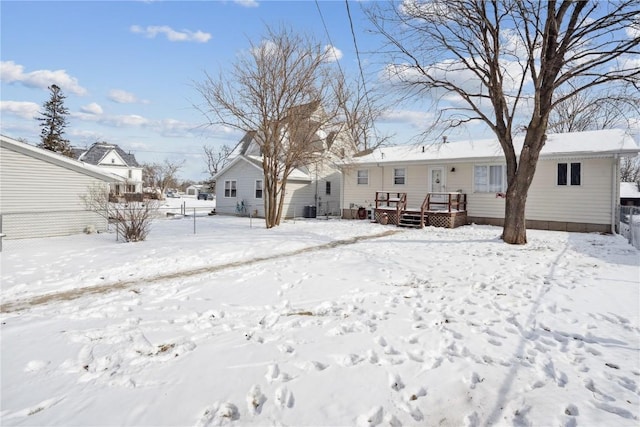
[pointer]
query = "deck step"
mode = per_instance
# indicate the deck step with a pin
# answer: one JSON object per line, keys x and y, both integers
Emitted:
{"x": 411, "y": 219}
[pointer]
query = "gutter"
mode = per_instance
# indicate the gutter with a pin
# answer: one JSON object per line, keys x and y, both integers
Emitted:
{"x": 615, "y": 190}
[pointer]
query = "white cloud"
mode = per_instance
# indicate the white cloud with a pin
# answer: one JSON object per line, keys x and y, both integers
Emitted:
{"x": 26, "y": 110}
{"x": 332, "y": 53}
{"x": 92, "y": 108}
{"x": 122, "y": 96}
{"x": 171, "y": 34}
{"x": 416, "y": 119}
{"x": 11, "y": 72}
{"x": 247, "y": 3}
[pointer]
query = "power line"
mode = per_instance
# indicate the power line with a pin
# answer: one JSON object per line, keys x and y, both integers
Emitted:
{"x": 364, "y": 84}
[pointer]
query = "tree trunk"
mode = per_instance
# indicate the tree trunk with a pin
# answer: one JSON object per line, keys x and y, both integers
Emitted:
{"x": 515, "y": 221}
{"x": 515, "y": 230}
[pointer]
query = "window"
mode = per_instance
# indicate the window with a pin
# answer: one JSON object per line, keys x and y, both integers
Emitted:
{"x": 327, "y": 188}
{"x": 258, "y": 189}
{"x": 363, "y": 177}
{"x": 130, "y": 174}
{"x": 569, "y": 173}
{"x": 489, "y": 178}
{"x": 399, "y": 176}
{"x": 230, "y": 188}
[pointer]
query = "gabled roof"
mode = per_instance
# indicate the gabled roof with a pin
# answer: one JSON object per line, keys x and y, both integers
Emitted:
{"x": 577, "y": 144}
{"x": 629, "y": 190}
{"x": 58, "y": 159}
{"x": 99, "y": 150}
{"x": 297, "y": 174}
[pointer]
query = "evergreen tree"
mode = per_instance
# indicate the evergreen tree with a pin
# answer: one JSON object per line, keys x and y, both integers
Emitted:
{"x": 53, "y": 122}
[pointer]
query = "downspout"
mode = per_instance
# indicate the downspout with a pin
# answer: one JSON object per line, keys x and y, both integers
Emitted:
{"x": 614, "y": 193}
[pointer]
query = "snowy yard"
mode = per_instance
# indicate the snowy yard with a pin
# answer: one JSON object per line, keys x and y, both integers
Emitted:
{"x": 308, "y": 325}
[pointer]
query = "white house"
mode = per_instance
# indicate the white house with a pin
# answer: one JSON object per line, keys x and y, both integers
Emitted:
{"x": 40, "y": 192}
{"x": 239, "y": 187}
{"x": 313, "y": 188}
{"x": 113, "y": 159}
{"x": 575, "y": 188}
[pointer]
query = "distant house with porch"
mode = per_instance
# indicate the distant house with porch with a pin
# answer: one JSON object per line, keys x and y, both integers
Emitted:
{"x": 575, "y": 188}
{"x": 111, "y": 158}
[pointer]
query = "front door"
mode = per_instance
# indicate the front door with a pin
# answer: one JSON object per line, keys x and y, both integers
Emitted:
{"x": 437, "y": 184}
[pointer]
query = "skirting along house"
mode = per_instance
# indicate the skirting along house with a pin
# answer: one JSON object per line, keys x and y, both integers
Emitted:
{"x": 575, "y": 188}
{"x": 41, "y": 192}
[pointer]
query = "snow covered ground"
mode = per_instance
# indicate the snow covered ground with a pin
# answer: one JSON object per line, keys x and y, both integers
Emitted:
{"x": 310, "y": 324}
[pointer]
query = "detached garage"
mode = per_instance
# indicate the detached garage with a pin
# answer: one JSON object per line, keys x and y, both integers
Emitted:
{"x": 41, "y": 192}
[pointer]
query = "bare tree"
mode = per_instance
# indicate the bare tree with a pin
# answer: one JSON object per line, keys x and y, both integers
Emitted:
{"x": 133, "y": 219}
{"x": 161, "y": 176}
{"x": 593, "y": 110}
{"x": 280, "y": 89}
{"x": 216, "y": 158}
{"x": 499, "y": 62}
{"x": 359, "y": 110}
{"x": 630, "y": 169}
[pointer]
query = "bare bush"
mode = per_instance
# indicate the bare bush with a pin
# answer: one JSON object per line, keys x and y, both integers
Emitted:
{"x": 132, "y": 218}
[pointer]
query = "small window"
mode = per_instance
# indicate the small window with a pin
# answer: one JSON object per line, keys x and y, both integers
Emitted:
{"x": 113, "y": 160}
{"x": 399, "y": 176}
{"x": 130, "y": 174}
{"x": 569, "y": 173}
{"x": 363, "y": 177}
{"x": 258, "y": 189}
{"x": 489, "y": 178}
{"x": 327, "y": 188}
{"x": 230, "y": 188}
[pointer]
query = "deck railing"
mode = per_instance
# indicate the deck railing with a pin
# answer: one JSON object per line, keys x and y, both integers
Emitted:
{"x": 390, "y": 200}
{"x": 449, "y": 203}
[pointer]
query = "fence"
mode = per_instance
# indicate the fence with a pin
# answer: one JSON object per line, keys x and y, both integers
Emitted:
{"x": 630, "y": 224}
{"x": 188, "y": 220}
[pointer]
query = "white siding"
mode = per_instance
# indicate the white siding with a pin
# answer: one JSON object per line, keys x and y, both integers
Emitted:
{"x": 245, "y": 176}
{"x": 43, "y": 199}
{"x": 591, "y": 202}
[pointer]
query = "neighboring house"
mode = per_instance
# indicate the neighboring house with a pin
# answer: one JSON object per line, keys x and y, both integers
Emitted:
{"x": 575, "y": 187}
{"x": 316, "y": 185}
{"x": 195, "y": 190}
{"x": 629, "y": 194}
{"x": 113, "y": 159}
{"x": 41, "y": 192}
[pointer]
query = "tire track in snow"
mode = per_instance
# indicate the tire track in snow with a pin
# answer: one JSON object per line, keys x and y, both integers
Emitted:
{"x": 24, "y": 304}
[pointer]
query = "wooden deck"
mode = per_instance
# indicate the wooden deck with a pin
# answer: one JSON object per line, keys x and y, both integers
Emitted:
{"x": 438, "y": 210}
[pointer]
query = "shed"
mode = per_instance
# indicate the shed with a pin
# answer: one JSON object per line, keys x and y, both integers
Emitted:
{"x": 53, "y": 205}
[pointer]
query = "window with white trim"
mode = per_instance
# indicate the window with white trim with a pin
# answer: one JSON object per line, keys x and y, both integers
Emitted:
{"x": 258, "y": 189}
{"x": 327, "y": 188}
{"x": 489, "y": 178}
{"x": 363, "y": 177}
{"x": 230, "y": 188}
{"x": 399, "y": 176}
{"x": 569, "y": 174}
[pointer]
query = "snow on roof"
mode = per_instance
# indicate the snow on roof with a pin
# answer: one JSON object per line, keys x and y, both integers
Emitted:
{"x": 629, "y": 190}
{"x": 578, "y": 143}
{"x": 57, "y": 158}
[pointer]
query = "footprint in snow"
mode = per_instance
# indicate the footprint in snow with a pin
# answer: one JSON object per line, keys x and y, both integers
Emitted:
{"x": 312, "y": 365}
{"x": 255, "y": 400}
{"x": 372, "y": 418}
{"x": 395, "y": 382}
{"x": 218, "y": 414}
{"x": 284, "y": 398}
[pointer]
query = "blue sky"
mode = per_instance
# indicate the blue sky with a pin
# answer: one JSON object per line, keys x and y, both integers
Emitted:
{"x": 128, "y": 69}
